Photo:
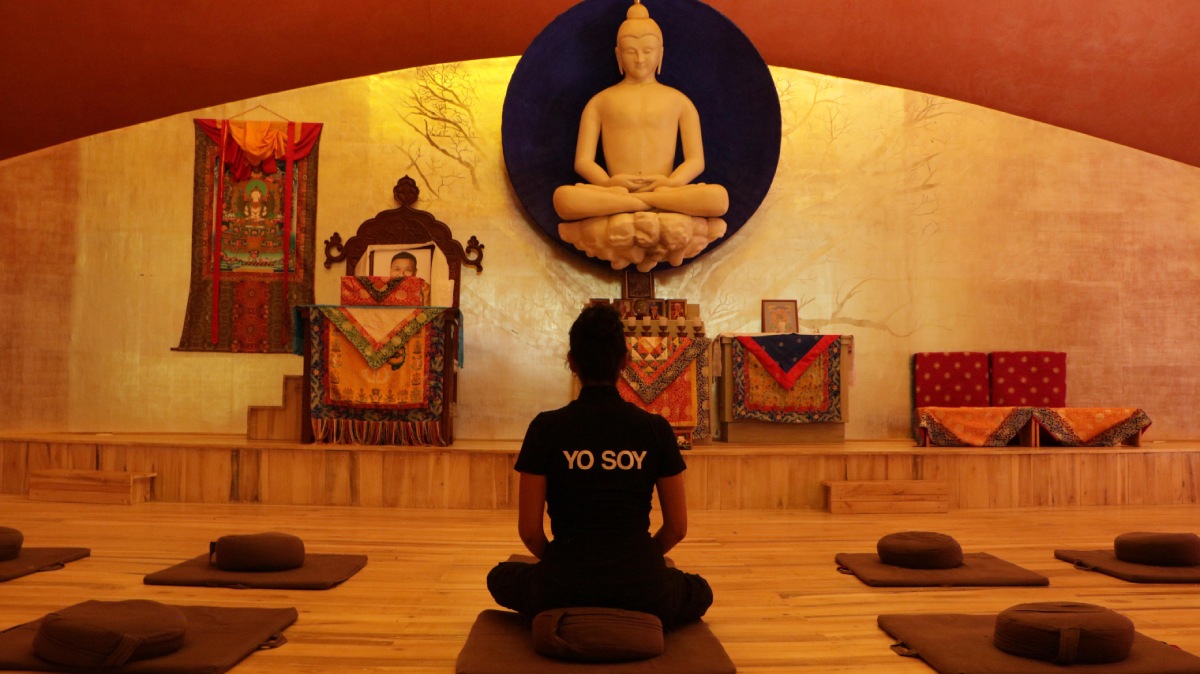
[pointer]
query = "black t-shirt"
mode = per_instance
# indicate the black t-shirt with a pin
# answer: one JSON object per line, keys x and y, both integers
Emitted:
{"x": 601, "y": 457}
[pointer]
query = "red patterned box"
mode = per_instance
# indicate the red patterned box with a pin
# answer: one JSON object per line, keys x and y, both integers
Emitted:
{"x": 951, "y": 379}
{"x": 1029, "y": 378}
{"x": 368, "y": 291}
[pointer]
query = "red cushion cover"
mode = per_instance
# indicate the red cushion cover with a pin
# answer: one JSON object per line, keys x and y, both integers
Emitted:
{"x": 1029, "y": 378}
{"x": 951, "y": 379}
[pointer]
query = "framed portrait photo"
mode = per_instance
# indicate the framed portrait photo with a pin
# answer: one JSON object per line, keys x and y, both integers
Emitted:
{"x": 779, "y": 316}
{"x": 625, "y": 308}
{"x": 389, "y": 261}
{"x": 676, "y": 310}
{"x": 656, "y": 309}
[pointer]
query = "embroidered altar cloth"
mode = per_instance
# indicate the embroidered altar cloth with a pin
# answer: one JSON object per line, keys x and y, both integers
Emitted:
{"x": 1091, "y": 426}
{"x": 971, "y": 426}
{"x": 669, "y": 375}
{"x": 378, "y": 374}
{"x": 786, "y": 378}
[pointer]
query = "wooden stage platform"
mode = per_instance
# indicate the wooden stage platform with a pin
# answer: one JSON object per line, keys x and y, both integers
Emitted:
{"x": 477, "y": 474}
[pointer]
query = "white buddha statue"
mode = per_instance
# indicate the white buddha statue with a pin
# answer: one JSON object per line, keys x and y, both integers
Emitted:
{"x": 643, "y": 209}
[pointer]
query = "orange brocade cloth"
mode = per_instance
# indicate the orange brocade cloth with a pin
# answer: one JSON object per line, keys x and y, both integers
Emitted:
{"x": 1091, "y": 426}
{"x": 971, "y": 426}
{"x": 377, "y": 374}
{"x": 365, "y": 291}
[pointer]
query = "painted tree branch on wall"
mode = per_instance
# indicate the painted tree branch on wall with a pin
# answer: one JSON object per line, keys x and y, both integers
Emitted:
{"x": 438, "y": 107}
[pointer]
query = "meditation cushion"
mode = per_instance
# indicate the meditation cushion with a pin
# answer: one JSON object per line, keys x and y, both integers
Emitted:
{"x": 272, "y": 551}
{"x": 920, "y": 550}
{"x": 109, "y": 634}
{"x": 597, "y": 634}
{"x": 1064, "y": 633}
{"x": 1153, "y": 549}
{"x": 10, "y": 543}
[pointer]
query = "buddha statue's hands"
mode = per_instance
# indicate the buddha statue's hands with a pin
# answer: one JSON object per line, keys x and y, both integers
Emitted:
{"x": 629, "y": 181}
{"x": 638, "y": 183}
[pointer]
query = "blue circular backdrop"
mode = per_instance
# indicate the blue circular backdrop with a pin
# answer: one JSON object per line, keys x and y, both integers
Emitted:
{"x": 705, "y": 56}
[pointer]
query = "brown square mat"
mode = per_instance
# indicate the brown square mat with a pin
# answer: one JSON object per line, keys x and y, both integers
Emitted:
{"x": 1106, "y": 562}
{"x": 501, "y": 642}
{"x": 217, "y": 639}
{"x": 32, "y": 560}
{"x": 320, "y": 572}
{"x": 962, "y": 644}
{"x": 978, "y": 569}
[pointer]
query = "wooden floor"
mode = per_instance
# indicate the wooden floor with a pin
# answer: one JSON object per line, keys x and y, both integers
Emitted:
{"x": 780, "y": 605}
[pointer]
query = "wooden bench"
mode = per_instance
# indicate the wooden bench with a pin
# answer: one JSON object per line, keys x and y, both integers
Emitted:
{"x": 91, "y": 486}
{"x": 886, "y": 496}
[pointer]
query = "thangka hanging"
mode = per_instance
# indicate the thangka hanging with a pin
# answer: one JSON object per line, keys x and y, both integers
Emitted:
{"x": 254, "y": 211}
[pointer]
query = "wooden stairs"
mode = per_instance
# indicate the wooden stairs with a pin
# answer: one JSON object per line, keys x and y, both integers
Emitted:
{"x": 279, "y": 422}
{"x": 91, "y": 486}
{"x": 886, "y": 496}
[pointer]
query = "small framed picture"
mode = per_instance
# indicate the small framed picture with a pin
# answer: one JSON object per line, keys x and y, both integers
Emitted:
{"x": 779, "y": 316}
{"x": 676, "y": 310}
{"x": 598, "y": 300}
{"x": 625, "y": 308}
{"x": 641, "y": 307}
{"x": 637, "y": 285}
{"x": 656, "y": 309}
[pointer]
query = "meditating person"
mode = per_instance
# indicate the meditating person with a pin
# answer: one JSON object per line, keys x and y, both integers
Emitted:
{"x": 642, "y": 209}
{"x": 594, "y": 466}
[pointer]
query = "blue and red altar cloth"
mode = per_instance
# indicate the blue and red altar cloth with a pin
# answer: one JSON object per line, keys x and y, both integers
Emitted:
{"x": 786, "y": 378}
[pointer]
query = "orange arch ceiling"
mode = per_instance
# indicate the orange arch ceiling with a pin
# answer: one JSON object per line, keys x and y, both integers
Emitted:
{"x": 1122, "y": 70}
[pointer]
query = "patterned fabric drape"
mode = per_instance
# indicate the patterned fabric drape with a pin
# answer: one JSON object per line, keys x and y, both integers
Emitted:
{"x": 786, "y": 357}
{"x": 377, "y": 374}
{"x": 407, "y": 291}
{"x": 1091, "y": 426}
{"x": 253, "y": 224}
{"x": 670, "y": 376}
{"x": 972, "y": 426}
{"x": 812, "y": 366}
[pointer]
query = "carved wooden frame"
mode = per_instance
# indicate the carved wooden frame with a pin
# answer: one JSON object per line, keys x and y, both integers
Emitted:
{"x": 406, "y": 225}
